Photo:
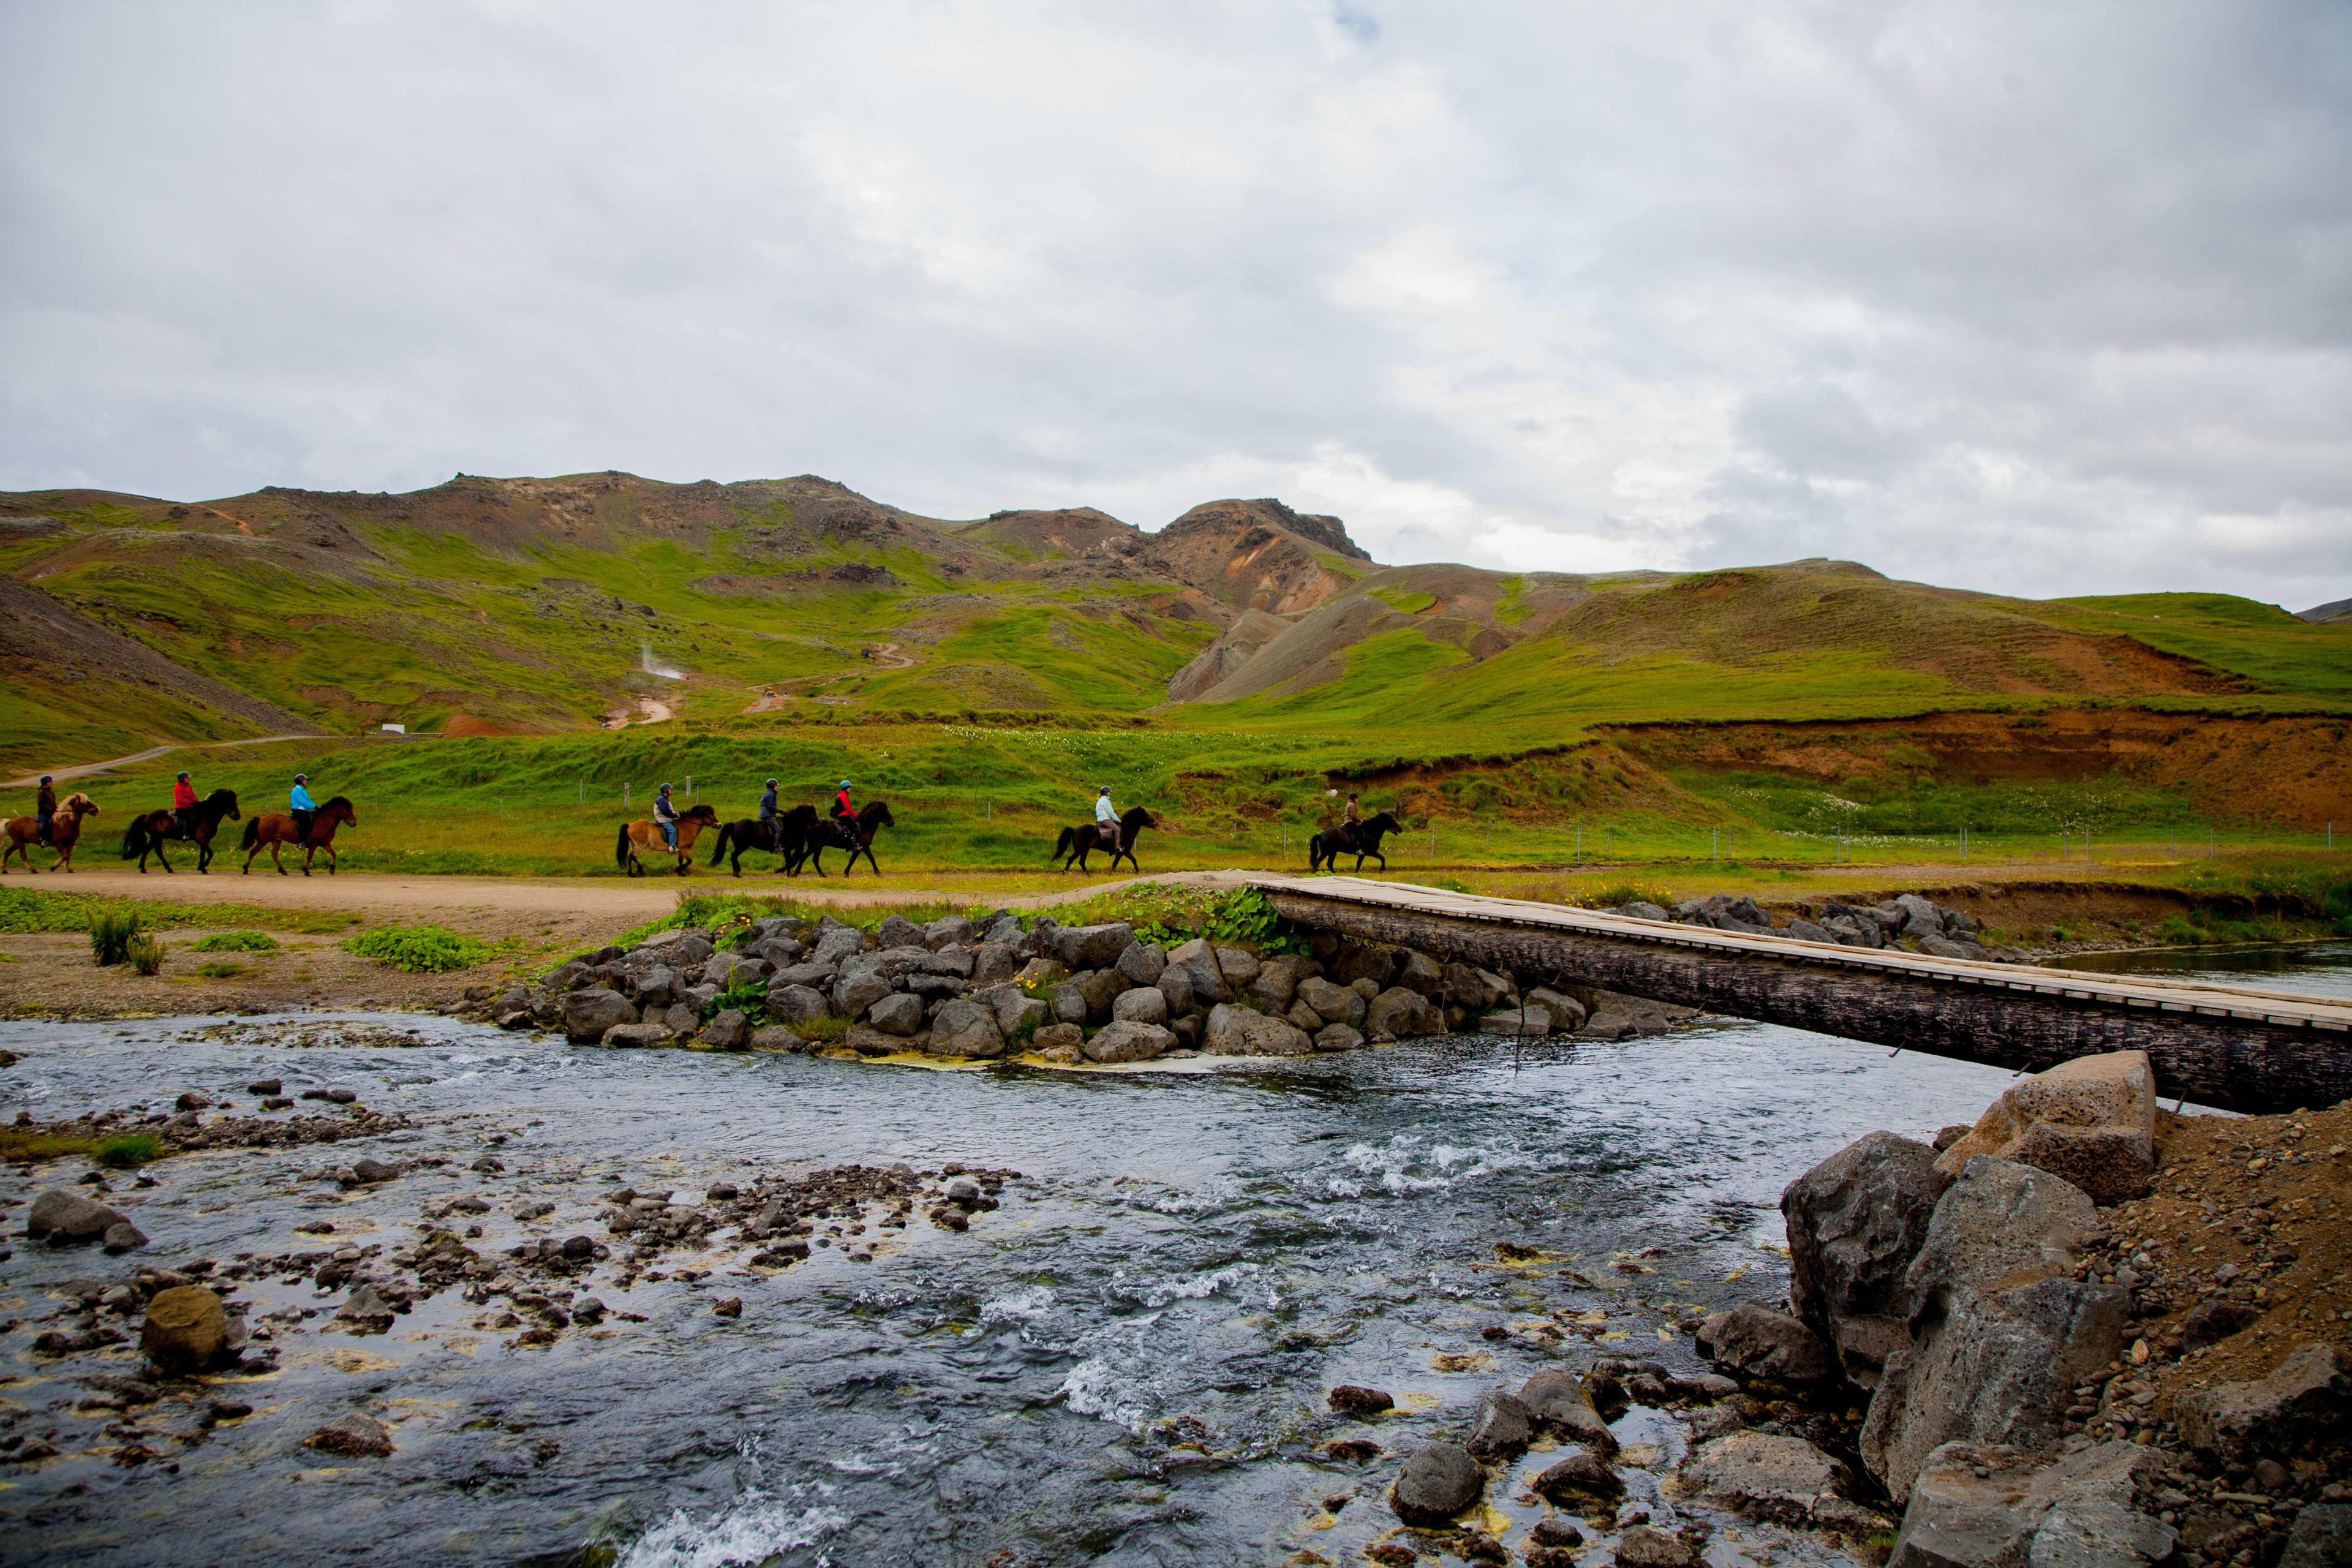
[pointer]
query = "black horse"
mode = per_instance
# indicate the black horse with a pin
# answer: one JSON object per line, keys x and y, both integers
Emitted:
{"x": 1326, "y": 848}
{"x": 147, "y": 832}
{"x": 737, "y": 838}
{"x": 857, "y": 837}
{"x": 1077, "y": 843}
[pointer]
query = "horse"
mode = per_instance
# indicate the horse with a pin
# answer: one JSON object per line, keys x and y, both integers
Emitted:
{"x": 1326, "y": 848}
{"x": 642, "y": 836}
{"x": 147, "y": 831}
{"x": 273, "y": 829}
{"x": 65, "y": 825}
{"x": 834, "y": 834}
{"x": 1077, "y": 843}
{"x": 737, "y": 838}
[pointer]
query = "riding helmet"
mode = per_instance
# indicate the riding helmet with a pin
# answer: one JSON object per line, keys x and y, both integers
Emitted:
{"x": 184, "y": 772}
{"x": 301, "y": 778}
{"x": 771, "y": 782}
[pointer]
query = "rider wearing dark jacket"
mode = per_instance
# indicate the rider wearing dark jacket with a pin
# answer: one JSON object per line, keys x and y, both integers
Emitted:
{"x": 45, "y": 807}
{"x": 768, "y": 822}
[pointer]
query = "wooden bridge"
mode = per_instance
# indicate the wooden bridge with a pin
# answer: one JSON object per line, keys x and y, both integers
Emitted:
{"x": 2236, "y": 1048}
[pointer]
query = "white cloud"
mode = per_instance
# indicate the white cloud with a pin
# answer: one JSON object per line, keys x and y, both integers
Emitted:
{"x": 2035, "y": 298}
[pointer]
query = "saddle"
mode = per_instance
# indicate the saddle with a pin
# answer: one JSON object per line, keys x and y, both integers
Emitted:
{"x": 1106, "y": 834}
{"x": 844, "y": 831}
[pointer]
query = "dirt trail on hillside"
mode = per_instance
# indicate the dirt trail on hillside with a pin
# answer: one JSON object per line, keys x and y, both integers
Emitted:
{"x": 83, "y": 770}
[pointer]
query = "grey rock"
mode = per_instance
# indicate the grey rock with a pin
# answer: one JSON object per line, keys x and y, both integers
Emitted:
{"x": 654, "y": 1032}
{"x": 1129, "y": 1041}
{"x": 1803, "y": 930}
{"x": 776, "y": 1037}
{"x": 859, "y": 989}
{"x": 1238, "y": 965}
{"x": 588, "y": 1014}
{"x": 1372, "y": 962}
{"x": 1437, "y": 1482}
{"x": 992, "y": 963}
{"x": 1092, "y": 947}
{"x": 956, "y": 961}
{"x": 1761, "y": 1342}
{"x": 1920, "y": 918}
{"x": 1945, "y": 947}
{"x": 1144, "y": 1005}
{"x": 724, "y": 969}
{"x": 790, "y": 1005}
{"x": 1995, "y": 1368}
{"x": 1417, "y": 971}
{"x": 1557, "y": 1400}
{"x": 1332, "y": 1003}
{"x": 1641, "y": 1546}
{"x": 896, "y": 931}
{"x": 727, "y": 1032}
{"x": 896, "y": 1014}
{"x": 1782, "y": 1479}
{"x": 1643, "y": 910}
{"x": 352, "y": 1436}
{"x": 1175, "y": 985}
{"x": 656, "y": 986}
{"x": 1276, "y": 985}
{"x": 2090, "y": 1120}
{"x": 1100, "y": 987}
{"x": 680, "y": 1019}
{"x": 1069, "y": 1003}
{"x": 1533, "y": 1023}
{"x": 700, "y": 997}
{"x": 1015, "y": 1013}
{"x": 1990, "y": 1507}
{"x": 1143, "y": 963}
{"x": 1197, "y": 961}
{"x": 367, "y": 1171}
{"x": 122, "y": 1237}
{"x": 817, "y": 976}
{"x": 1057, "y": 1037}
{"x": 1338, "y": 1037}
{"x": 2321, "y": 1537}
{"x": 1855, "y": 1222}
{"x": 948, "y": 931}
{"x": 933, "y": 986}
{"x": 1237, "y": 1031}
{"x": 2307, "y": 1394}
{"x": 965, "y": 1028}
{"x": 61, "y": 1216}
{"x": 1997, "y": 1220}
{"x": 836, "y": 944}
{"x": 1566, "y": 1012}
{"x": 1401, "y": 1014}
{"x": 1502, "y": 1427}
{"x": 1580, "y": 1477}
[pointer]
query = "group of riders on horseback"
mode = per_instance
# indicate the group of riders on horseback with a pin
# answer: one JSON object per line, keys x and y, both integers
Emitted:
{"x": 305, "y": 824}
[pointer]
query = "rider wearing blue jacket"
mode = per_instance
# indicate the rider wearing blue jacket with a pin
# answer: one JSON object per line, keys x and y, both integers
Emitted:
{"x": 299, "y": 801}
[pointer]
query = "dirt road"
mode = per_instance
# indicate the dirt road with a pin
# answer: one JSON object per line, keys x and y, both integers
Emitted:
{"x": 80, "y": 770}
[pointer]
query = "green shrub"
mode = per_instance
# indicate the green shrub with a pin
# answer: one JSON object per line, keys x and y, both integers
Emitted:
{"x": 238, "y": 941}
{"x": 746, "y": 995}
{"x": 128, "y": 1149}
{"x": 217, "y": 969}
{"x": 1617, "y": 895}
{"x": 420, "y": 950}
{"x": 111, "y": 927}
{"x": 823, "y": 1031}
{"x": 1247, "y": 916}
{"x": 145, "y": 953}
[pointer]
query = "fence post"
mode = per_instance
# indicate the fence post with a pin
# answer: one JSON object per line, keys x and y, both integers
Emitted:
{"x": 1580, "y": 844}
{"x": 1433, "y": 842}
{"x": 624, "y": 793}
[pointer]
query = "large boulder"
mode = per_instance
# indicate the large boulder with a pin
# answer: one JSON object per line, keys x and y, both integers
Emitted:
{"x": 1239, "y": 965}
{"x": 1417, "y": 972}
{"x": 1503, "y": 1427}
{"x": 2091, "y": 1120}
{"x": 1196, "y": 960}
{"x": 860, "y": 988}
{"x": 2321, "y": 1537}
{"x": 948, "y": 931}
{"x": 656, "y": 986}
{"x": 185, "y": 1329}
{"x": 1144, "y": 1005}
{"x": 1127, "y": 1041}
{"x": 587, "y": 1013}
{"x": 1336, "y": 1038}
{"x": 1976, "y": 1506}
{"x": 1855, "y": 1222}
{"x": 1754, "y": 1339}
{"x": 790, "y": 1005}
{"x": 1375, "y": 962}
{"x": 1997, "y": 1368}
{"x": 61, "y": 1216}
{"x": 1238, "y": 1032}
{"x": 1276, "y": 984}
{"x": 898, "y": 931}
{"x": 657, "y": 1033}
{"x": 1533, "y": 1023}
{"x": 1437, "y": 1482}
{"x": 896, "y": 1014}
{"x": 1066, "y": 1003}
{"x": 1101, "y": 987}
{"x": 964, "y": 1029}
{"x": 2307, "y": 1394}
{"x": 992, "y": 963}
{"x": 836, "y": 944}
{"x": 1016, "y": 1013}
{"x": 1143, "y": 963}
{"x": 1092, "y": 947}
{"x": 1997, "y": 1221}
{"x": 1332, "y": 1003}
{"x": 1782, "y": 1479}
{"x": 1399, "y": 1014}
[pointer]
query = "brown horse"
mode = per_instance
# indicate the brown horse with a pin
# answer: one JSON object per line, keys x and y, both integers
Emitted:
{"x": 147, "y": 832}
{"x": 65, "y": 825}
{"x": 273, "y": 829}
{"x": 643, "y": 837}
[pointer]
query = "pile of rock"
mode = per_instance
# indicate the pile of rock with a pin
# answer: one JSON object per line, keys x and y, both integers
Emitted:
{"x": 1906, "y": 920}
{"x": 965, "y": 988}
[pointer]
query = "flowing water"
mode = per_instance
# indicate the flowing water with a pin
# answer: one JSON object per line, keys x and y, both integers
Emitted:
{"x": 1125, "y": 1363}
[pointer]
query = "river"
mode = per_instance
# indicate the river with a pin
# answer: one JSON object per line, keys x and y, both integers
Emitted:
{"x": 1125, "y": 1363}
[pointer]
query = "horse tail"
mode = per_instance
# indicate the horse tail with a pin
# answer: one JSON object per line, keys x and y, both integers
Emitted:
{"x": 621, "y": 848}
{"x": 252, "y": 833}
{"x": 134, "y": 837}
{"x": 1062, "y": 846}
{"x": 718, "y": 849}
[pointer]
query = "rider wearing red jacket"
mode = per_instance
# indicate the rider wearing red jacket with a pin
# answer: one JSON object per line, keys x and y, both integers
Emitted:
{"x": 183, "y": 803}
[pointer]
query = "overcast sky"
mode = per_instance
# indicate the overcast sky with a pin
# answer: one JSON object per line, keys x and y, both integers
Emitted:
{"x": 2037, "y": 297}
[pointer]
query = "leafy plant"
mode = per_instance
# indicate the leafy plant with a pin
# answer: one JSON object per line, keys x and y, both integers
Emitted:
{"x": 746, "y": 994}
{"x": 238, "y": 941}
{"x": 1246, "y": 916}
{"x": 145, "y": 953}
{"x": 111, "y": 931}
{"x": 421, "y": 949}
{"x": 125, "y": 1150}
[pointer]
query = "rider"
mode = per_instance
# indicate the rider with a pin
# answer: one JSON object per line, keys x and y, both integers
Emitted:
{"x": 666, "y": 817}
{"x": 844, "y": 814}
{"x": 1350, "y": 821}
{"x": 299, "y": 801}
{"x": 769, "y": 822}
{"x": 184, "y": 803}
{"x": 1106, "y": 817}
{"x": 45, "y": 807}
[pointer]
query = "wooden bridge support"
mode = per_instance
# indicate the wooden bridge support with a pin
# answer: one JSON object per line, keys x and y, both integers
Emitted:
{"x": 2204, "y": 1047}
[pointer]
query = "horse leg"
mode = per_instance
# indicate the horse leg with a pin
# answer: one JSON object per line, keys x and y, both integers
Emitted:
{"x": 275, "y": 850}
{"x": 308, "y": 851}
{"x": 332, "y": 860}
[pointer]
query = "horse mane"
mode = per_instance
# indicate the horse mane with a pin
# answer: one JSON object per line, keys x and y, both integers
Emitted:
{"x": 803, "y": 812}
{"x": 1136, "y": 813}
{"x": 220, "y": 795}
{"x": 78, "y": 798}
{"x": 869, "y": 811}
{"x": 333, "y": 801}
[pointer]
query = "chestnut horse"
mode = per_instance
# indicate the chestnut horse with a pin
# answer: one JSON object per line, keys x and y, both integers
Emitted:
{"x": 644, "y": 838}
{"x": 65, "y": 827}
{"x": 273, "y": 829}
{"x": 147, "y": 831}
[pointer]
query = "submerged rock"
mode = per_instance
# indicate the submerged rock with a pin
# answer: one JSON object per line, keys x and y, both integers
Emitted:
{"x": 1354, "y": 1399}
{"x": 61, "y": 1216}
{"x": 185, "y": 1330}
{"x": 353, "y": 1436}
{"x": 1437, "y": 1482}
